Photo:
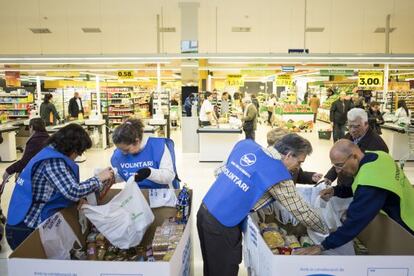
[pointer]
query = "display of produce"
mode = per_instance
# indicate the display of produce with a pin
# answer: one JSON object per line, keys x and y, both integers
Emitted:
{"x": 294, "y": 126}
{"x": 292, "y": 109}
{"x": 328, "y": 103}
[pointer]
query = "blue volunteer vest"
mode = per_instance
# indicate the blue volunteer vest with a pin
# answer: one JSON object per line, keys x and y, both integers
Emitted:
{"x": 150, "y": 157}
{"x": 22, "y": 197}
{"x": 248, "y": 174}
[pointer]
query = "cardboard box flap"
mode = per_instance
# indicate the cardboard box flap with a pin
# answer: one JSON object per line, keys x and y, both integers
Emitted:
{"x": 384, "y": 236}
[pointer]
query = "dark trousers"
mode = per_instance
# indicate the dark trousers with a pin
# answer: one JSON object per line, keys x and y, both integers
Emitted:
{"x": 269, "y": 117}
{"x": 205, "y": 123}
{"x": 16, "y": 234}
{"x": 187, "y": 111}
{"x": 250, "y": 134}
{"x": 221, "y": 246}
{"x": 338, "y": 131}
{"x": 314, "y": 117}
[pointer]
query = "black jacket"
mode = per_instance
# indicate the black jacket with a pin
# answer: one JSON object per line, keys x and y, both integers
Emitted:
{"x": 371, "y": 141}
{"x": 35, "y": 143}
{"x": 302, "y": 177}
{"x": 74, "y": 108}
{"x": 375, "y": 120}
{"x": 339, "y": 111}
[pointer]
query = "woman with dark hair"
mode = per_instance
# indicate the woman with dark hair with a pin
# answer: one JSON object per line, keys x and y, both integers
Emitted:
{"x": 51, "y": 182}
{"x": 151, "y": 160}
{"x": 375, "y": 118}
{"x": 48, "y": 111}
{"x": 402, "y": 113}
{"x": 36, "y": 142}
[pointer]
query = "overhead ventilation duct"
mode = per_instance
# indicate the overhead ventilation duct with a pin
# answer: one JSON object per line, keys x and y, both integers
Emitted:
{"x": 91, "y": 30}
{"x": 40, "y": 30}
{"x": 241, "y": 29}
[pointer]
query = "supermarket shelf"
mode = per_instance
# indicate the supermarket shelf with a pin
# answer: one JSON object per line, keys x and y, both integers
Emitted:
{"x": 18, "y": 116}
{"x": 117, "y": 116}
{"x": 11, "y": 109}
{"x": 13, "y": 96}
{"x": 328, "y": 122}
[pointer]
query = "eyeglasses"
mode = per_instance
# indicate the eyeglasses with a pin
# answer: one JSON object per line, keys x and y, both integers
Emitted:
{"x": 340, "y": 166}
{"x": 353, "y": 126}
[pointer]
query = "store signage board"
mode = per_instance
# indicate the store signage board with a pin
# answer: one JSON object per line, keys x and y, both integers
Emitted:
{"x": 235, "y": 80}
{"x": 284, "y": 80}
{"x": 125, "y": 75}
{"x": 12, "y": 79}
{"x": 288, "y": 68}
{"x": 370, "y": 78}
{"x": 257, "y": 73}
{"x": 67, "y": 74}
{"x": 336, "y": 72}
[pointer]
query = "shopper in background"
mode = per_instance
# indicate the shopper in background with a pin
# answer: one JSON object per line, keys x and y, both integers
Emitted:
{"x": 34, "y": 144}
{"x": 314, "y": 104}
{"x": 271, "y": 103}
{"x": 207, "y": 113}
{"x": 50, "y": 182}
{"x": 402, "y": 113}
{"x": 255, "y": 101}
{"x": 75, "y": 106}
{"x": 365, "y": 138}
{"x": 375, "y": 118}
{"x": 380, "y": 185}
{"x": 358, "y": 101}
{"x": 367, "y": 94}
{"x": 306, "y": 97}
{"x": 329, "y": 93}
{"x": 224, "y": 105}
{"x": 48, "y": 111}
{"x": 249, "y": 119}
{"x": 188, "y": 105}
{"x": 298, "y": 175}
{"x": 151, "y": 160}
{"x": 234, "y": 194}
{"x": 338, "y": 112}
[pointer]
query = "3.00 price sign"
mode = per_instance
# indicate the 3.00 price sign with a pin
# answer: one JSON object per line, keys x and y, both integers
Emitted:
{"x": 125, "y": 75}
{"x": 370, "y": 78}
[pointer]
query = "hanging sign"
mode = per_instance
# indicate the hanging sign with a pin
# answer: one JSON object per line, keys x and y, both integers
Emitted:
{"x": 370, "y": 78}
{"x": 67, "y": 74}
{"x": 336, "y": 72}
{"x": 235, "y": 80}
{"x": 12, "y": 79}
{"x": 284, "y": 80}
{"x": 125, "y": 75}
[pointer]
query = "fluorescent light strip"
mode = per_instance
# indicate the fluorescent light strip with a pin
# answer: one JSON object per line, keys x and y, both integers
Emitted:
{"x": 83, "y": 69}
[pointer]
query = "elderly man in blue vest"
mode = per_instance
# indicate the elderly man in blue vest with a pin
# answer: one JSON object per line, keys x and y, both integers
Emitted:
{"x": 252, "y": 178}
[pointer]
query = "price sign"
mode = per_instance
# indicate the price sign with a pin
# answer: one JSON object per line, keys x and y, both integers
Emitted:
{"x": 125, "y": 75}
{"x": 284, "y": 80}
{"x": 235, "y": 80}
{"x": 370, "y": 78}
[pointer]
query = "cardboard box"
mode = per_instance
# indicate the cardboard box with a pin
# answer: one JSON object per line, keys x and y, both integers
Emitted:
{"x": 30, "y": 258}
{"x": 382, "y": 236}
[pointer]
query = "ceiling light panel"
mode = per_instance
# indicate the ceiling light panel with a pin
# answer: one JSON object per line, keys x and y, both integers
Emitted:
{"x": 40, "y": 30}
{"x": 91, "y": 30}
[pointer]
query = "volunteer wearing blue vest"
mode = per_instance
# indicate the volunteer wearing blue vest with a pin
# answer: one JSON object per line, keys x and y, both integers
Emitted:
{"x": 252, "y": 178}
{"x": 379, "y": 185}
{"x": 50, "y": 182}
{"x": 151, "y": 160}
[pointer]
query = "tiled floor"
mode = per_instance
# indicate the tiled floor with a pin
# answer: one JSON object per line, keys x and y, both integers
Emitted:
{"x": 199, "y": 177}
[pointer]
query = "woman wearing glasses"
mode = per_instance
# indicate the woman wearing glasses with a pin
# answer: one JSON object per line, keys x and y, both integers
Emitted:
{"x": 151, "y": 160}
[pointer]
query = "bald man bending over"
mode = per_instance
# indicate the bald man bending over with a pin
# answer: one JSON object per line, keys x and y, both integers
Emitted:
{"x": 379, "y": 184}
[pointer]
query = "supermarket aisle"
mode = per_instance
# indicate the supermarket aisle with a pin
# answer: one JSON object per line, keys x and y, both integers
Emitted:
{"x": 199, "y": 177}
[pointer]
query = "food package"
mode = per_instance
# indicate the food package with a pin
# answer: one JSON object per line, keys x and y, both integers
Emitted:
{"x": 166, "y": 238}
{"x": 292, "y": 241}
{"x": 271, "y": 235}
{"x": 305, "y": 241}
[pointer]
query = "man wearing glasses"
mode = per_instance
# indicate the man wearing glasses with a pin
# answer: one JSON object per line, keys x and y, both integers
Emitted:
{"x": 380, "y": 185}
{"x": 365, "y": 138}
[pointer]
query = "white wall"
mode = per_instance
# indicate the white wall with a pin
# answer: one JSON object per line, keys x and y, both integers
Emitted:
{"x": 129, "y": 26}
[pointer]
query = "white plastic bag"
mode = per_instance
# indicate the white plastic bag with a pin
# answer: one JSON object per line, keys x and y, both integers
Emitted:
{"x": 57, "y": 237}
{"x": 162, "y": 197}
{"x": 123, "y": 220}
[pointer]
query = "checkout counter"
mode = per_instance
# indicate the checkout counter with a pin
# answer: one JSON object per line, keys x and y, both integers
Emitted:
{"x": 216, "y": 142}
{"x": 8, "y": 145}
{"x": 397, "y": 140}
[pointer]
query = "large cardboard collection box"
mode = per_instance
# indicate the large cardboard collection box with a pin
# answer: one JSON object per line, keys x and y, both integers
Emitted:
{"x": 389, "y": 246}
{"x": 30, "y": 258}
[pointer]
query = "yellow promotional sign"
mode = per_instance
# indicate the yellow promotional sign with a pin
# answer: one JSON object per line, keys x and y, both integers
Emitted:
{"x": 125, "y": 75}
{"x": 370, "y": 78}
{"x": 235, "y": 80}
{"x": 67, "y": 74}
{"x": 284, "y": 80}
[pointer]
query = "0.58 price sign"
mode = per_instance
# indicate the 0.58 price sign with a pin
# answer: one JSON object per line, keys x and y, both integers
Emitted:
{"x": 370, "y": 78}
{"x": 123, "y": 75}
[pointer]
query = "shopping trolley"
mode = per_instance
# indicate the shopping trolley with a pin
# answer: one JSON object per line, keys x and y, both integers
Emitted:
{"x": 410, "y": 132}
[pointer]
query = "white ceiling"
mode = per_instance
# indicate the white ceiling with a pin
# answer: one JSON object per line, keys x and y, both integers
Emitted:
{"x": 129, "y": 26}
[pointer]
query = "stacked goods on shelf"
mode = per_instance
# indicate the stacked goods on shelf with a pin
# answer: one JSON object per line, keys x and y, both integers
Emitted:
{"x": 294, "y": 117}
{"x": 120, "y": 104}
{"x": 15, "y": 105}
{"x": 141, "y": 102}
{"x": 394, "y": 97}
{"x": 328, "y": 103}
{"x": 163, "y": 98}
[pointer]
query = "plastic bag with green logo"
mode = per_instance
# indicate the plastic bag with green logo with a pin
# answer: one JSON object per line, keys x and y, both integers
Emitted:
{"x": 123, "y": 220}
